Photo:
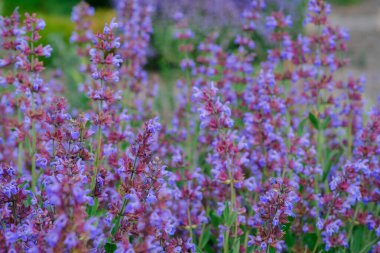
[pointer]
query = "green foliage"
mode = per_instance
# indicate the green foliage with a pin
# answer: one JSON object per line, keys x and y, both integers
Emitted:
{"x": 332, "y": 158}
{"x": 110, "y": 247}
{"x": 301, "y": 126}
{"x": 206, "y": 236}
{"x": 344, "y": 2}
{"x": 65, "y": 59}
{"x": 56, "y": 25}
{"x": 165, "y": 47}
{"x": 314, "y": 121}
{"x": 53, "y": 7}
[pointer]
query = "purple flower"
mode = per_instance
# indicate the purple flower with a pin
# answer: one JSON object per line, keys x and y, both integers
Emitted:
{"x": 52, "y": 238}
{"x": 153, "y": 125}
{"x": 151, "y": 198}
{"x": 40, "y": 24}
{"x": 41, "y": 162}
{"x": 46, "y": 51}
{"x": 75, "y": 135}
{"x": 61, "y": 221}
{"x": 71, "y": 240}
{"x": 133, "y": 202}
{"x": 220, "y": 209}
{"x": 271, "y": 22}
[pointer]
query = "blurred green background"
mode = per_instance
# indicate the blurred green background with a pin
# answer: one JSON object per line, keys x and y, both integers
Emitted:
{"x": 57, "y": 13}
{"x": 57, "y": 32}
{"x": 164, "y": 59}
{"x": 59, "y": 26}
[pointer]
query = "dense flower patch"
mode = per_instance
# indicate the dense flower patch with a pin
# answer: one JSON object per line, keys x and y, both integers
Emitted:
{"x": 276, "y": 156}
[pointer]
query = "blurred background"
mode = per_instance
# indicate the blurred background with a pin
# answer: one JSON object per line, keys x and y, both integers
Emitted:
{"x": 360, "y": 17}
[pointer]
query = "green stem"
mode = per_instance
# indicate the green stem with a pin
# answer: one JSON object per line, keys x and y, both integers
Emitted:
{"x": 125, "y": 201}
{"x": 317, "y": 243}
{"x": 233, "y": 196}
{"x": 34, "y": 134}
{"x": 20, "y": 146}
{"x": 97, "y": 158}
{"x": 189, "y": 141}
{"x": 118, "y": 217}
{"x": 320, "y": 131}
{"x": 134, "y": 166}
{"x": 34, "y": 150}
{"x": 246, "y": 241}
{"x": 98, "y": 148}
{"x": 233, "y": 207}
{"x": 189, "y": 221}
{"x": 247, "y": 232}
{"x": 352, "y": 224}
{"x": 349, "y": 137}
{"x": 226, "y": 238}
{"x": 369, "y": 245}
{"x": 19, "y": 157}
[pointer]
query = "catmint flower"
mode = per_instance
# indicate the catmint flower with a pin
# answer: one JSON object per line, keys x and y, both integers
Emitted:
{"x": 105, "y": 64}
{"x": 61, "y": 221}
{"x": 213, "y": 113}
{"x": 151, "y": 198}
{"x": 52, "y": 238}
{"x": 70, "y": 240}
{"x": 40, "y": 24}
{"x": 41, "y": 162}
{"x": 75, "y": 135}
{"x": 271, "y": 22}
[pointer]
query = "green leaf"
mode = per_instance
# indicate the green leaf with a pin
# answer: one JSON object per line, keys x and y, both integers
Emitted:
{"x": 28, "y": 144}
{"x": 228, "y": 216}
{"x": 314, "y": 121}
{"x": 357, "y": 240}
{"x": 88, "y": 124}
{"x": 236, "y": 246}
{"x": 215, "y": 219}
{"x": 226, "y": 212}
{"x": 205, "y": 238}
{"x": 301, "y": 127}
{"x": 232, "y": 218}
{"x": 116, "y": 223}
{"x": 110, "y": 247}
{"x": 310, "y": 240}
{"x": 326, "y": 122}
{"x": 91, "y": 210}
{"x": 28, "y": 201}
{"x": 198, "y": 249}
{"x": 124, "y": 145}
{"x": 333, "y": 157}
{"x": 289, "y": 237}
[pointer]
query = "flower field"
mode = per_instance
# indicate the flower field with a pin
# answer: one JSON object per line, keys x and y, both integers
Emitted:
{"x": 263, "y": 149}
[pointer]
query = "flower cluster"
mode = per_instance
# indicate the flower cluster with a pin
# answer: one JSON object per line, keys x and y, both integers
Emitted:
{"x": 272, "y": 154}
{"x": 271, "y": 212}
{"x": 82, "y": 35}
{"x": 135, "y": 18}
{"x": 213, "y": 114}
{"x": 104, "y": 63}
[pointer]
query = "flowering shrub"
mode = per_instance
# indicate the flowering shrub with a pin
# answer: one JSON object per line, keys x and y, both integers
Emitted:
{"x": 278, "y": 156}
